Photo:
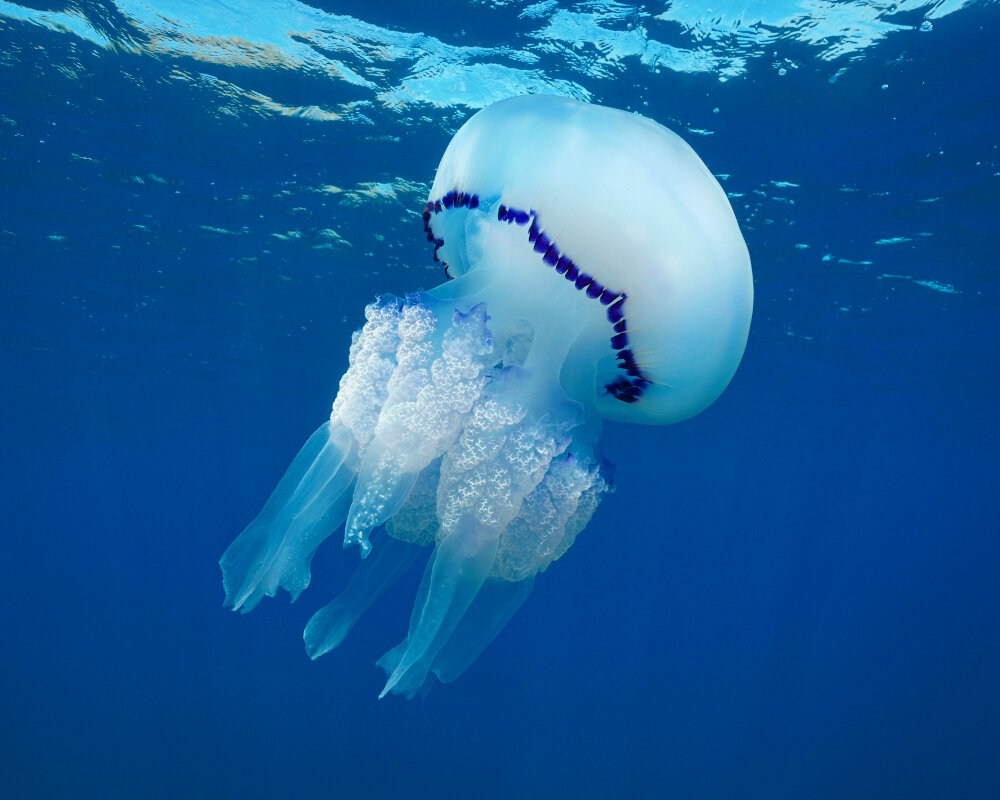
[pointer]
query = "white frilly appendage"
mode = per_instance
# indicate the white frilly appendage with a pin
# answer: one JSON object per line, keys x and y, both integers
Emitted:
{"x": 450, "y": 429}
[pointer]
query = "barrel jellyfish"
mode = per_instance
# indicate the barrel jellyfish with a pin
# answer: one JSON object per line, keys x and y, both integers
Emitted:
{"x": 595, "y": 270}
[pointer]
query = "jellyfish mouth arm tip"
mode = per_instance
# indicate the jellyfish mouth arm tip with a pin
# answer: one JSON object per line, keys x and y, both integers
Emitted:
{"x": 361, "y": 542}
{"x": 275, "y": 550}
{"x": 453, "y": 578}
{"x": 329, "y": 626}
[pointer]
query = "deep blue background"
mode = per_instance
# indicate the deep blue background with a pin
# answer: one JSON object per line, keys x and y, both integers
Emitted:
{"x": 792, "y": 595}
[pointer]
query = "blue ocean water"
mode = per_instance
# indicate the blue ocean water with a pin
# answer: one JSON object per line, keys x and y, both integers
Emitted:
{"x": 792, "y": 595}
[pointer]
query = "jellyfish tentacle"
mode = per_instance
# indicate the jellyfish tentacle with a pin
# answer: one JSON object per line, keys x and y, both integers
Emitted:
{"x": 503, "y": 452}
{"x": 492, "y": 608}
{"x": 517, "y": 427}
{"x": 390, "y": 660}
{"x": 312, "y": 499}
{"x": 551, "y": 515}
{"x": 383, "y": 485}
{"x": 437, "y": 379}
{"x": 329, "y": 626}
{"x": 364, "y": 387}
{"x": 416, "y": 521}
{"x": 462, "y": 563}
{"x": 308, "y": 504}
{"x": 388, "y": 466}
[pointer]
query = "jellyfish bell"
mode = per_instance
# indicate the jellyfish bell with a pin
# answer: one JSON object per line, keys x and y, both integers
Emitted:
{"x": 622, "y": 211}
{"x": 596, "y": 271}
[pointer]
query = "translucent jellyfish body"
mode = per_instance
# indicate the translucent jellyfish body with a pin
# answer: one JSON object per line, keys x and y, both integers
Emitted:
{"x": 596, "y": 270}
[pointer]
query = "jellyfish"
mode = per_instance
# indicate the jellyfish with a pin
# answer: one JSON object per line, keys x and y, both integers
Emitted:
{"x": 595, "y": 270}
